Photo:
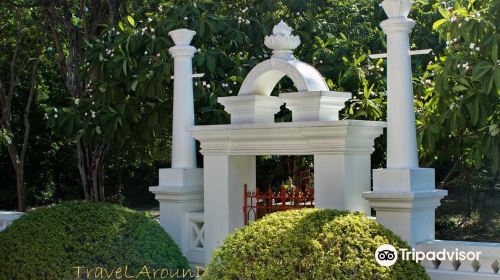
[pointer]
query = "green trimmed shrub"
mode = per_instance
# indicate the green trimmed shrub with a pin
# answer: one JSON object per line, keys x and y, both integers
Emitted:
{"x": 51, "y": 242}
{"x": 310, "y": 244}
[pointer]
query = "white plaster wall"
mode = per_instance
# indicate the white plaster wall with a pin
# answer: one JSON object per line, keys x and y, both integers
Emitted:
{"x": 224, "y": 179}
{"x": 340, "y": 180}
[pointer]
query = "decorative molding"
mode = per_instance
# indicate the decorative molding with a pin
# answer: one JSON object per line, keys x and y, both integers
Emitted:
{"x": 404, "y": 201}
{"x": 397, "y": 25}
{"x": 182, "y": 51}
{"x": 332, "y": 137}
{"x": 178, "y": 194}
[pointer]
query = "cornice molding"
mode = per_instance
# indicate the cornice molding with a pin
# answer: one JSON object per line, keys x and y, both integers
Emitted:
{"x": 331, "y": 137}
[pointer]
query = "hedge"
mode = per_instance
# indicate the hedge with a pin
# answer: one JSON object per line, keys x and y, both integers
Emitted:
{"x": 310, "y": 244}
{"x": 53, "y": 242}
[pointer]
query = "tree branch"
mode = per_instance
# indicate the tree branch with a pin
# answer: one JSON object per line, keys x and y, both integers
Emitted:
{"x": 27, "y": 126}
{"x": 444, "y": 183}
{"x": 2, "y": 104}
{"x": 6, "y": 97}
{"x": 83, "y": 5}
{"x": 13, "y": 61}
{"x": 61, "y": 57}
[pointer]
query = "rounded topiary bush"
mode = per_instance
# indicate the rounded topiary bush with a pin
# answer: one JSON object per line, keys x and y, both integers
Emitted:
{"x": 310, "y": 244}
{"x": 52, "y": 242}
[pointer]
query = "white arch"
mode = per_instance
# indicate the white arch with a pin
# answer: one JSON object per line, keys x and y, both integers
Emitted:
{"x": 266, "y": 75}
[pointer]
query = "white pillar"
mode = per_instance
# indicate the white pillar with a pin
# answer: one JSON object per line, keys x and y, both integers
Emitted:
{"x": 401, "y": 133}
{"x": 224, "y": 179}
{"x": 180, "y": 188}
{"x": 404, "y": 195}
{"x": 340, "y": 180}
{"x": 183, "y": 144}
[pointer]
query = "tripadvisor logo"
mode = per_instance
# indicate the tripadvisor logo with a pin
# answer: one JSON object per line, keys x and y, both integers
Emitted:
{"x": 387, "y": 255}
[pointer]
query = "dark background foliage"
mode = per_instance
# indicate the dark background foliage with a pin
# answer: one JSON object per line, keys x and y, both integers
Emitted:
{"x": 133, "y": 91}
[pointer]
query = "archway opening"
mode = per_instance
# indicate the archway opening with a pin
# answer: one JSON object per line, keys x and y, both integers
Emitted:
{"x": 264, "y": 77}
{"x": 282, "y": 183}
{"x": 285, "y": 84}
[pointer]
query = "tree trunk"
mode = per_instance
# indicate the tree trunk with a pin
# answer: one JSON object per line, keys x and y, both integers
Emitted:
{"x": 468, "y": 206}
{"x": 91, "y": 168}
{"x": 6, "y": 120}
{"x": 69, "y": 42}
{"x": 21, "y": 189}
{"x": 18, "y": 166}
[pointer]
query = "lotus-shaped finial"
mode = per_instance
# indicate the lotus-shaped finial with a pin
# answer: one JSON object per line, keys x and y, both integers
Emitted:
{"x": 282, "y": 29}
{"x": 282, "y": 42}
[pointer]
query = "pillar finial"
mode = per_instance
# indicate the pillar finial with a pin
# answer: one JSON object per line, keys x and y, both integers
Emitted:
{"x": 282, "y": 42}
{"x": 182, "y": 37}
{"x": 397, "y": 8}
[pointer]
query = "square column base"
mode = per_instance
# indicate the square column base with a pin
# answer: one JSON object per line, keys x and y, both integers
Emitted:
{"x": 403, "y": 179}
{"x": 405, "y": 201}
{"x": 251, "y": 108}
{"x": 315, "y": 105}
{"x": 180, "y": 177}
{"x": 180, "y": 191}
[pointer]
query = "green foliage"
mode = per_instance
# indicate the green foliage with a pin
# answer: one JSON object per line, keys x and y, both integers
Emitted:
{"x": 310, "y": 244}
{"x": 129, "y": 87}
{"x": 127, "y": 71}
{"x": 481, "y": 219}
{"x": 48, "y": 166}
{"x": 230, "y": 38}
{"x": 49, "y": 242}
{"x": 4, "y": 137}
{"x": 133, "y": 103}
{"x": 273, "y": 171}
{"x": 461, "y": 107}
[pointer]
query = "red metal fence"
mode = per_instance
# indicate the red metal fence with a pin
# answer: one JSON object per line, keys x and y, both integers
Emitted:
{"x": 260, "y": 203}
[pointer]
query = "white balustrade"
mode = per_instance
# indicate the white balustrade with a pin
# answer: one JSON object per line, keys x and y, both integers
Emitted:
{"x": 6, "y": 218}
{"x": 487, "y": 267}
{"x": 194, "y": 239}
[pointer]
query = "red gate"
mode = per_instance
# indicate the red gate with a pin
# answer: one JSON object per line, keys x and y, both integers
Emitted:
{"x": 261, "y": 203}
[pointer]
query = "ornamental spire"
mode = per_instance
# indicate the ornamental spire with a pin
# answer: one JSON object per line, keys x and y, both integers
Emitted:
{"x": 182, "y": 37}
{"x": 282, "y": 42}
{"x": 397, "y": 8}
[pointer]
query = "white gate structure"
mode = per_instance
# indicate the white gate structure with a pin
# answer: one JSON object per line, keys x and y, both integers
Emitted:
{"x": 200, "y": 207}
